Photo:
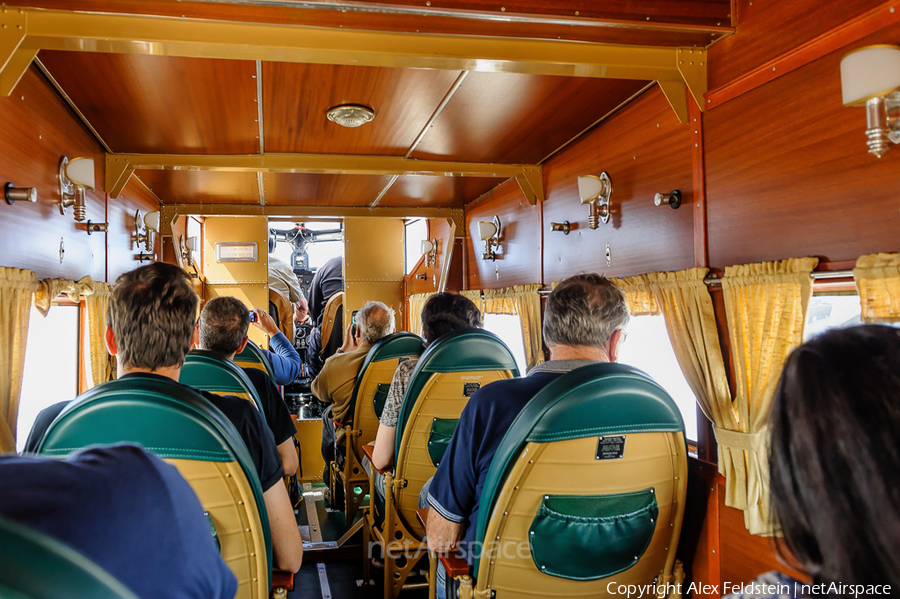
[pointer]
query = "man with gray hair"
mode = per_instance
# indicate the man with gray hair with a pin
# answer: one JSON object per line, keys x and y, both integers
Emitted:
{"x": 583, "y": 324}
{"x": 334, "y": 383}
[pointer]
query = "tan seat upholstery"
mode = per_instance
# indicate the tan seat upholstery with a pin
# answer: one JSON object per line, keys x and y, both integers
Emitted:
{"x": 333, "y": 307}
{"x": 366, "y": 403}
{"x": 284, "y": 316}
{"x": 447, "y": 374}
{"x": 587, "y": 488}
{"x": 187, "y": 431}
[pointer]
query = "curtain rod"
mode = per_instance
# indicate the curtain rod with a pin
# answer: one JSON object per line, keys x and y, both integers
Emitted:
{"x": 816, "y": 276}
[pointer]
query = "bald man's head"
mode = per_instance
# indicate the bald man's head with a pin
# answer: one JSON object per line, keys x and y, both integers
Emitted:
{"x": 375, "y": 320}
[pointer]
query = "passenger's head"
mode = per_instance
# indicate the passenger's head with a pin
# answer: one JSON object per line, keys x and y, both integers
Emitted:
{"x": 375, "y": 320}
{"x": 584, "y": 311}
{"x": 835, "y": 455}
{"x": 446, "y": 312}
{"x": 224, "y": 322}
{"x": 151, "y": 312}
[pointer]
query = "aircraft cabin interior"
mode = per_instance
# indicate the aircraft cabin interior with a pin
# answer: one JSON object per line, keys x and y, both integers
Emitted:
{"x": 729, "y": 164}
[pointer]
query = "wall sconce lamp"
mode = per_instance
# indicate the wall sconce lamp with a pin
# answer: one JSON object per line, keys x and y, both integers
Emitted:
{"x": 15, "y": 194}
{"x": 142, "y": 257}
{"x": 672, "y": 199}
{"x": 489, "y": 232}
{"x": 188, "y": 247}
{"x": 142, "y": 232}
{"x": 870, "y": 77}
{"x": 595, "y": 191}
{"x": 429, "y": 250}
{"x": 75, "y": 176}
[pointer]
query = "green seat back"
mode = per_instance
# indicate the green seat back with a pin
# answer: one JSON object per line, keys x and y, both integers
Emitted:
{"x": 252, "y": 356}
{"x": 591, "y": 401}
{"x": 217, "y": 374}
{"x": 464, "y": 350}
{"x": 165, "y": 418}
{"x": 399, "y": 345}
{"x": 36, "y": 566}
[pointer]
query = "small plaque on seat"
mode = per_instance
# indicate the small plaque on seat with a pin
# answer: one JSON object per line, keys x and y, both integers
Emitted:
{"x": 611, "y": 448}
{"x": 470, "y": 388}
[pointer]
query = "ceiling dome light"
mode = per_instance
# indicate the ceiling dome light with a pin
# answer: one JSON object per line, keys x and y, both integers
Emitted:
{"x": 350, "y": 115}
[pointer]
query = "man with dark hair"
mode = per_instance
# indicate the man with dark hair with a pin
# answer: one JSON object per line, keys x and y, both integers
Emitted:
{"x": 150, "y": 324}
{"x": 223, "y": 326}
{"x": 583, "y": 324}
{"x": 334, "y": 384}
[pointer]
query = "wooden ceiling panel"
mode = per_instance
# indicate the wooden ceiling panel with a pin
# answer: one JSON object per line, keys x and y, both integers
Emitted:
{"x": 201, "y": 187}
{"x": 297, "y": 96}
{"x": 436, "y": 192}
{"x": 304, "y": 189}
{"x": 651, "y": 23}
{"x": 514, "y": 118}
{"x": 162, "y": 104}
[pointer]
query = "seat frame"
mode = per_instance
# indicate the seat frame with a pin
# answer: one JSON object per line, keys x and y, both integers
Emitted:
{"x": 352, "y": 475}
{"x": 467, "y": 350}
{"x": 554, "y": 415}
{"x": 99, "y": 416}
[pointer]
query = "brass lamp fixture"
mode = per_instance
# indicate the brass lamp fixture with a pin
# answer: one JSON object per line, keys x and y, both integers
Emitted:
{"x": 350, "y": 115}
{"x": 142, "y": 232}
{"x": 595, "y": 191}
{"x": 75, "y": 176}
{"x": 870, "y": 77}
{"x": 429, "y": 250}
{"x": 489, "y": 233}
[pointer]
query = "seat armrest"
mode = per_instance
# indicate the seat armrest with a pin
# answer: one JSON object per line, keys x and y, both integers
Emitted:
{"x": 369, "y": 450}
{"x": 283, "y": 580}
{"x": 453, "y": 563}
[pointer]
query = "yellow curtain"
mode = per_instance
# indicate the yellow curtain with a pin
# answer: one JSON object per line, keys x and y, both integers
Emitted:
{"x": 416, "y": 303}
{"x": 96, "y": 299}
{"x": 638, "y": 295}
{"x": 16, "y": 290}
{"x": 687, "y": 307}
{"x": 475, "y": 296}
{"x": 766, "y": 307}
{"x": 50, "y": 289}
{"x": 525, "y": 301}
{"x": 878, "y": 281}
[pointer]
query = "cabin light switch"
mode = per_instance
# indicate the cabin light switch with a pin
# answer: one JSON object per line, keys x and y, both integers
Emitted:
{"x": 608, "y": 255}
{"x": 62, "y": 250}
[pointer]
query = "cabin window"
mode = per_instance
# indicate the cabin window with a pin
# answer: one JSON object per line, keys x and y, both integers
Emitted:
{"x": 509, "y": 328}
{"x": 834, "y": 310}
{"x": 51, "y": 364}
{"x": 415, "y": 231}
{"x": 648, "y": 348}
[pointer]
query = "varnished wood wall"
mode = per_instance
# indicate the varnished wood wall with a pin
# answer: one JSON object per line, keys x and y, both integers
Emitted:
{"x": 785, "y": 171}
{"x": 36, "y": 130}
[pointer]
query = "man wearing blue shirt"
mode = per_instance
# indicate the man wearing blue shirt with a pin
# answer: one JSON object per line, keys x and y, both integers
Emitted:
{"x": 284, "y": 359}
{"x": 583, "y": 324}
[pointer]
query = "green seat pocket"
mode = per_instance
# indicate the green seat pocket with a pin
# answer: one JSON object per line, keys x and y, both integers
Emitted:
{"x": 439, "y": 438}
{"x": 380, "y": 398}
{"x": 587, "y": 537}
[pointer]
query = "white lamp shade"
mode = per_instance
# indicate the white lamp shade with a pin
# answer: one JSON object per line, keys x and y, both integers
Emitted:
{"x": 486, "y": 229}
{"x": 191, "y": 243}
{"x": 80, "y": 171}
{"x": 151, "y": 221}
{"x": 869, "y": 72}
{"x": 589, "y": 187}
{"x": 427, "y": 246}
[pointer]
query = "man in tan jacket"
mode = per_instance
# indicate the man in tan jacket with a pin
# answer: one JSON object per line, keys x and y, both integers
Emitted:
{"x": 334, "y": 383}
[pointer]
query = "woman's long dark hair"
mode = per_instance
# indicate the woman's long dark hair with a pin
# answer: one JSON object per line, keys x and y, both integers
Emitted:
{"x": 835, "y": 456}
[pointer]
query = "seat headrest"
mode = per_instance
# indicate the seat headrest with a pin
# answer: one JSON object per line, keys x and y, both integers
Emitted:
{"x": 398, "y": 345}
{"x": 215, "y": 373}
